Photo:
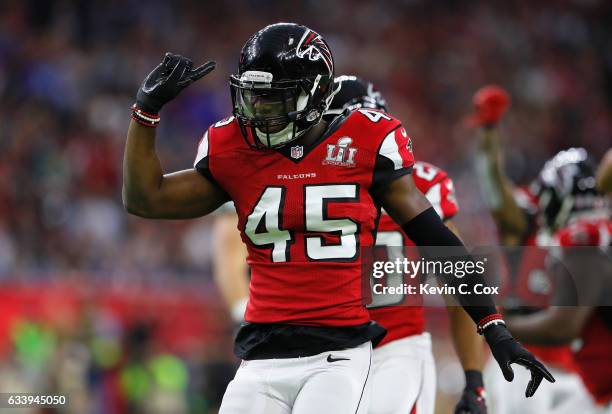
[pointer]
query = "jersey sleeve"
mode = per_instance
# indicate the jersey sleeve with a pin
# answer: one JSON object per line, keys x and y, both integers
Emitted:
{"x": 394, "y": 159}
{"x": 202, "y": 160}
{"x": 202, "y": 156}
{"x": 442, "y": 197}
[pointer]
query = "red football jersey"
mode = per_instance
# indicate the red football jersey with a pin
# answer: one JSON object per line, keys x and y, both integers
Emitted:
{"x": 305, "y": 211}
{"x": 400, "y": 317}
{"x": 593, "y": 357}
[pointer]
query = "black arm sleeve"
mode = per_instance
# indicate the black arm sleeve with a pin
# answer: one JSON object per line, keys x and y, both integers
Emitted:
{"x": 429, "y": 233}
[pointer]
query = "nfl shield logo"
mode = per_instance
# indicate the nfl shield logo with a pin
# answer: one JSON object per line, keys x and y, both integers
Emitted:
{"x": 297, "y": 152}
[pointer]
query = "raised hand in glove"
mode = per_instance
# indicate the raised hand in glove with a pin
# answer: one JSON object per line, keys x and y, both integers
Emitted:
{"x": 167, "y": 80}
{"x": 490, "y": 103}
{"x": 506, "y": 350}
{"x": 473, "y": 398}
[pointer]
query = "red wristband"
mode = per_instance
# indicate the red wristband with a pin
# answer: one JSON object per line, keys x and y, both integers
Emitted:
{"x": 493, "y": 319}
{"x": 144, "y": 118}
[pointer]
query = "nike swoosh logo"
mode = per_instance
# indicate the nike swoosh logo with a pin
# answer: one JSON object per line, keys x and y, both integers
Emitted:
{"x": 330, "y": 359}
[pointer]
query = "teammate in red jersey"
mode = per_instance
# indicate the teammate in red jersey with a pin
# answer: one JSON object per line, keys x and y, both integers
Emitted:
{"x": 307, "y": 194}
{"x": 408, "y": 364}
{"x": 404, "y": 376}
{"x": 405, "y": 352}
{"x": 516, "y": 212}
{"x": 579, "y": 219}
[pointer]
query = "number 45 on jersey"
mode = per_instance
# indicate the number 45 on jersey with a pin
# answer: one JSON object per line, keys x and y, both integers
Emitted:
{"x": 264, "y": 225}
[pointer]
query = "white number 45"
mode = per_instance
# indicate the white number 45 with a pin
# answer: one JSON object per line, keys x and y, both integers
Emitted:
{"x": 264, "y": 226}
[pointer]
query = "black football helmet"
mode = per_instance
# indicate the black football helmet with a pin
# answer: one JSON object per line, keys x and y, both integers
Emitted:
{"x": 566, "y": 186}
{"x": 283, "y": 84}
{"x": 353, "y": 92}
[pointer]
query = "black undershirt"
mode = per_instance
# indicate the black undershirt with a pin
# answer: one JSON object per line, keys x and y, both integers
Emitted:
{"x": 266, "y": 341}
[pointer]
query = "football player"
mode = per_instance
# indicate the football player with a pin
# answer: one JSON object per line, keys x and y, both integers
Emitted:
{"x": 515, "y": 211}
{"x": 307, "y": 194}
{"x": 579, "y": 218}
{"x": 404, "y": 375}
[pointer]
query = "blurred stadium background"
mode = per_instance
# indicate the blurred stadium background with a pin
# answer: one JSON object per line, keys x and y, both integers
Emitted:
{"x": 120, "y": 312}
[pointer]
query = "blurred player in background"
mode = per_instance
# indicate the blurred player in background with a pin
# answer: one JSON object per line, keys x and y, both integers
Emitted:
{"x": 516, "y": 212}
{"x": 578, "y": 218}
{"x": 404, "y": 369}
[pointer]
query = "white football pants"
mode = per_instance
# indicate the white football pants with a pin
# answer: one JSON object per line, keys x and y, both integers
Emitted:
{"x": 332, "y": 382}
{"x": 404, "y": 380}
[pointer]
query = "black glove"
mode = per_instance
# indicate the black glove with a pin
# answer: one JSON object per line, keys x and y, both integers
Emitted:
{"x": 167, "y": 80}
{"x": 506, "y": 350}
{"x": 473, "y": 398}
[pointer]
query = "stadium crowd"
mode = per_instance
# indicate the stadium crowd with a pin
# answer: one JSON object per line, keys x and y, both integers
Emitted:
{"x": 69, "y": 72}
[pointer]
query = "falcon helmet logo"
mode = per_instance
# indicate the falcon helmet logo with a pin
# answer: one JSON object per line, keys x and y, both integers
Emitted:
{"x": 312, "y": 46}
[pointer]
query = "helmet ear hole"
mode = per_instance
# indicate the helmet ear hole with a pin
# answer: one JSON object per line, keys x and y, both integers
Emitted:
{"x": 312, "y": 115}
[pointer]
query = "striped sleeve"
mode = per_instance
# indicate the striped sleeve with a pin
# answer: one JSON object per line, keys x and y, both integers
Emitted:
{"x": 202, "y": 155}
{"x": 442, "y": 197}
{"x": 393, "y": 160}
{"x": 201, "y": 162}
